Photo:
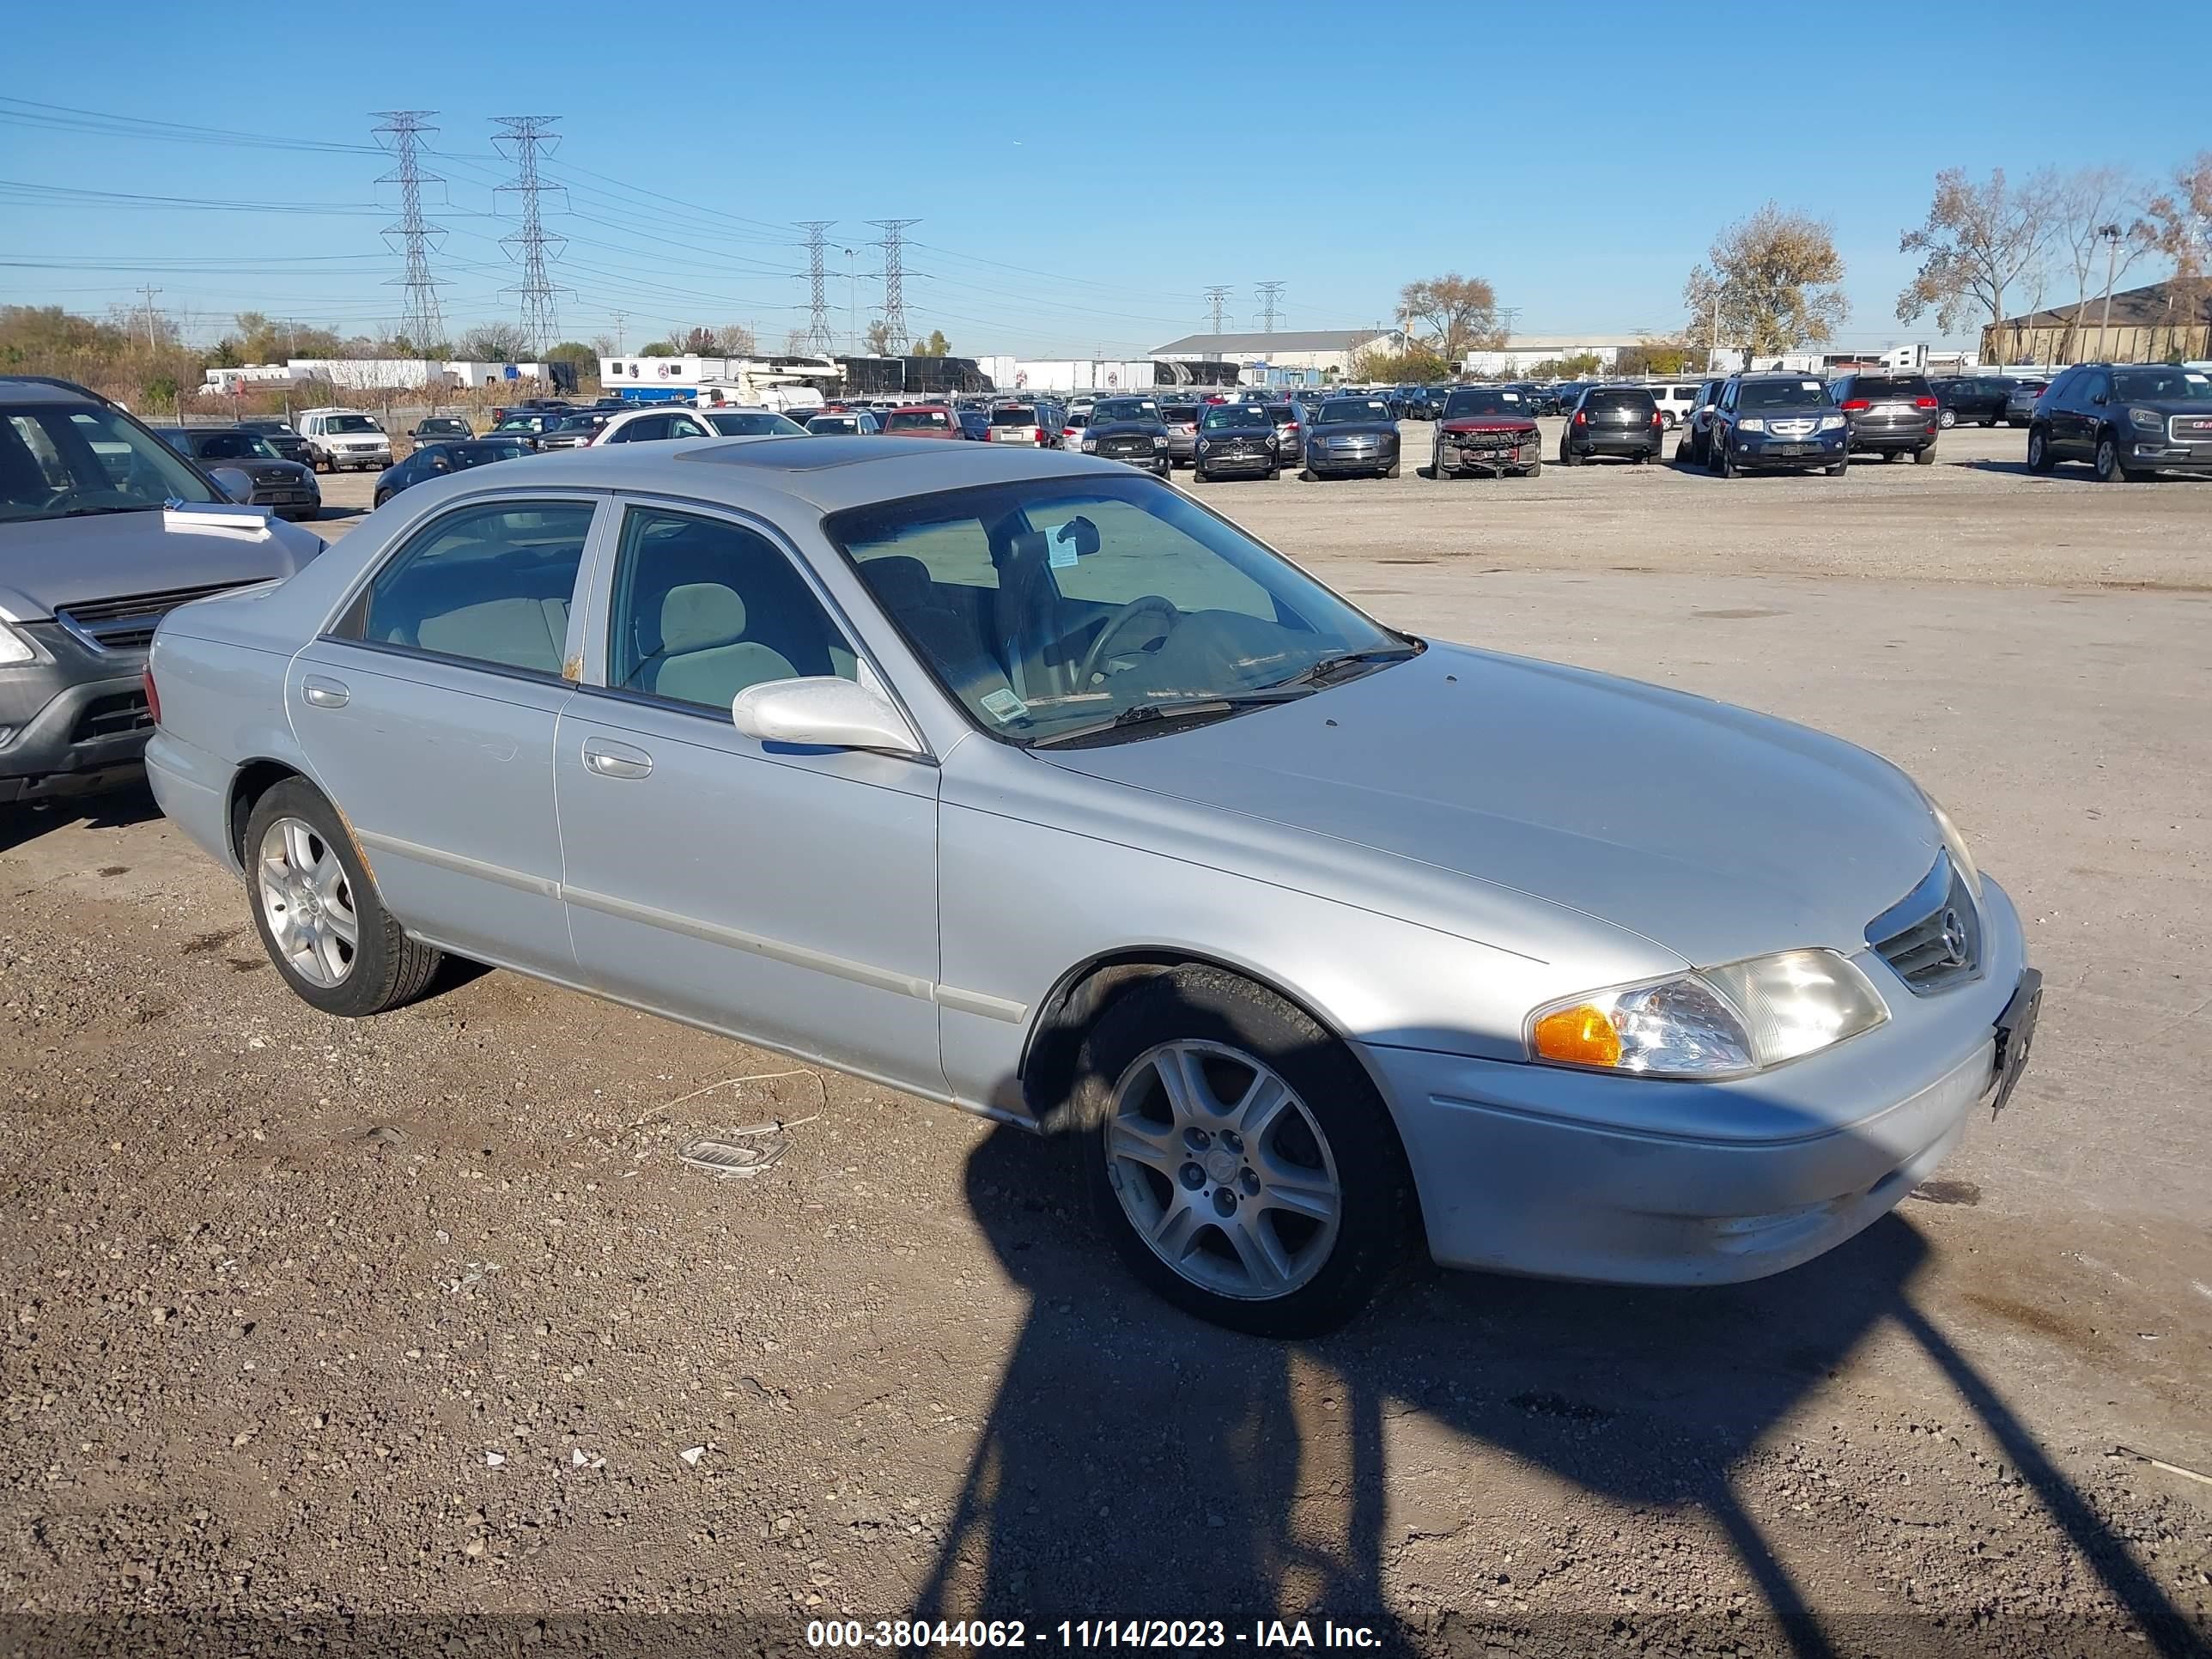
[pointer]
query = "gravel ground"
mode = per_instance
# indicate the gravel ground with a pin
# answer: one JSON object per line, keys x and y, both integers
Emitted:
{"x": 415, "y": 1336}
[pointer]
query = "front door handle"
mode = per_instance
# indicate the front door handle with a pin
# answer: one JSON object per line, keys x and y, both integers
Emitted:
{"x": 616, "y": 760}
{"x": 324, "y": 694}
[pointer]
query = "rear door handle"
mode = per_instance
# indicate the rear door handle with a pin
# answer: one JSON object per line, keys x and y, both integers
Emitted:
{"x": 324, "y": 694}
{"x": 616, "y": 760}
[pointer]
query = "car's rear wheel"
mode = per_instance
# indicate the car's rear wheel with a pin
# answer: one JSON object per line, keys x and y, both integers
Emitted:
{"x": 1924, "y": 456}
{"x": 2039, "y": 450}
{"x": 1989, "y": 420}
{"x": 1950, "y": 418}
{"x": 317, "y": 910}
{"x": 1726, "y": 467}
{"x": 1239, "y": 1156}
{"x": 1307, "y": 475}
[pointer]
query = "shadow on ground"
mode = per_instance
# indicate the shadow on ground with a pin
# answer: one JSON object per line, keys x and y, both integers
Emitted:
{"x": 114, "y": 810}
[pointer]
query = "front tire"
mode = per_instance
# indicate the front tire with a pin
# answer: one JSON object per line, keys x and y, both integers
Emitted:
{"x": 2038, "y": 449}
{"x": 1948, "y": 419}
{"x": 1924, "y": 456}
{"x": 1727, "y": 467}
{"x": 1239, "y": 1156}
{"x": 317, "y": 910}
{"x": 1839, "y": 469}
{"x": 2111, "y": 468}
{"x": 1391, "y": 470}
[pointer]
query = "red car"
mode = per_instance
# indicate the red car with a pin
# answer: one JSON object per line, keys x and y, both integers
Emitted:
{"x": 1487, "y": 428}
{"x": 922, "y": 420}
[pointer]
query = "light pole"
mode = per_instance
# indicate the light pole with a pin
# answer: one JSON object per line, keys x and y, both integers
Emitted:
{"x": 2112, "y": 235}
{"x": 852, "y": 304}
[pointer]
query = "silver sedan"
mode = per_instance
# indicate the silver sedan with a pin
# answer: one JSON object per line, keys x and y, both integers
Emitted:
{"x": 1022, "y": 780}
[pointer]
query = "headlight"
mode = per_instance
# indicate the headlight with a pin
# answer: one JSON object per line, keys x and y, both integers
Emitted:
{"x": 1955, "y": 845}
{"x": 1717, "y": 1023}
{"x": 2146, "y": 420}
{"x": 1831, "y": 422}
{"x": 14, "y": 648}
{"x": 1201, "y": 446}
{"x": 1159, "y": 443}
{"x": 1090, "y": 444}
{"x": 1751, "y": 426}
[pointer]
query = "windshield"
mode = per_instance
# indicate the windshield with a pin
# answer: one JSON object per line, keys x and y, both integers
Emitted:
{"x": 1779, "y": 394}
{"x": 444, "y": 423}
{"x": 59, "y": 459}
{"x": 2181, "y": 386}
{"x": 521, "y": 423}
{"x": 1125, "y": 408}
{"x": 1055, "y": 605}
{"x": 1180, "y": 414}
{"x": 834, "y": 423}
{"x": 740, "y": 423}
{"x": 1483, "y": 400}
{"x": 1345, "y": 411}
{"x": 350, "y": 423}
{"x": 231, "y": 447}
{"x": 918, "y": 420}
{"x": 1235, "y": 415}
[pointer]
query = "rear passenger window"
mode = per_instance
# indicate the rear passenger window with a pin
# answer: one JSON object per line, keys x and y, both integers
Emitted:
{"x": 704, "y": 608}
{"x": 489, "y": 585}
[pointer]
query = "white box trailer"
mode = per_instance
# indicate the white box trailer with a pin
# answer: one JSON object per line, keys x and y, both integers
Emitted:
{"x": 1072, "y": 375}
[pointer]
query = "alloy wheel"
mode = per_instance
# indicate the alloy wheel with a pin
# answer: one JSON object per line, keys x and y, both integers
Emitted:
{"x": 1223, "y": 1170}
{"x": 307, "y": 902}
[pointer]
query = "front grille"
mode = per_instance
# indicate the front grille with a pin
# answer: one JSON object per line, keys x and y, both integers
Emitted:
{"x": 1932, "y": 935}
{"x": 1122, "y": 449}
{"x": 1491, "y": 439}
{"x": 109, "y": 717}
{"x": 128, "y": 623}
{"x": 2190, "y": 429}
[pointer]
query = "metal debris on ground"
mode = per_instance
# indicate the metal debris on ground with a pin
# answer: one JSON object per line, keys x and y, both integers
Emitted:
{"x": 744, "y": 1153}
{"x": 2160, "y": 1463}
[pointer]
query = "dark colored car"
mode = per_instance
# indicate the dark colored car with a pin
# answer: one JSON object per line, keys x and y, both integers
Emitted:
{"x": 1351, "y": 435}
{"x": 750, "y": 423}
{"x": 1181, "y": 419}
{"x": 975, "y": 425}
{"x": 1613, "y": 420}
{"x": 1694, "y": 445}
{"x": 90, "y": 560}
{"x": 1235, "y": 440}
{"x": 1416, "y": 403}
{"x": 1890, "y": 414}
{"x": 574, "y": 431}
{"x": 437, "y": 460}
{"x": 1565, "y": 394}
{"x": 1128, "y": 429}
{"x": 2127, "y": 420}
{"x": 279, "y": 436}
{"x": 441, "y": 428}
{"x": 525, "y": 425}
{"x": 1782, "y": 422}
{"x": 288, "y": 488}
{"x": 1487, "y": 428}
{"x": 1974, "y": 398}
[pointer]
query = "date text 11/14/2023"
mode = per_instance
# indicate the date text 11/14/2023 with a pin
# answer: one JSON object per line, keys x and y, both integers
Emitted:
{"x": 1291, "y": 1635}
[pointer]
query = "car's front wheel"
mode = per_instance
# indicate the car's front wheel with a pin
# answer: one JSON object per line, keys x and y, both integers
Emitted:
{"x": 317, "y": 910}
{"x": 1239, "y": 1156}
{"x": 1950, "y": 417}
{"x": 2111, "y": 468}
{"x": 2039, "y": 450}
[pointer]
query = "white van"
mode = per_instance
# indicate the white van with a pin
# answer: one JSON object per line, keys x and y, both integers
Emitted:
{"x": 341, "y": 439}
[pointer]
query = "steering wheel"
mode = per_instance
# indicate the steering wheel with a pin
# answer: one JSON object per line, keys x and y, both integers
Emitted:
{"x": 1126, "y": 621}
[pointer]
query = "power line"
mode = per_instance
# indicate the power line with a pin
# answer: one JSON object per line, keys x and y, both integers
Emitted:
{"x": 1215, "y": 299}
{"x": 818, "y": 336}
{"x": 895, "y": 330}
{"x": 528, "y": 135}
{"x": 150, "y": 292}
{"x": 1268, "y": 293}
{"x": 419, "y": 318}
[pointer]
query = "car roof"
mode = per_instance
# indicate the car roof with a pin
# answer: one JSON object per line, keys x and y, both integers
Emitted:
{"x": 45, "y": 389}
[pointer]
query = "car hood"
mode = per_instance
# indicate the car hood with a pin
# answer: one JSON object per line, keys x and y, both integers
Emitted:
{"x": 1788, "y": 412}
{"x": 53, "y": 563}
{"x": 1490, "y": 422}
{"x": 1120, "y": 428}
{"x": 1353, "y": 430}
{"x": 1715, "y": 832}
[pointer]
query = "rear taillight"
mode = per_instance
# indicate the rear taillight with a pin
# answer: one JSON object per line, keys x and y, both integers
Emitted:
{"x": 1657, "y": 419}
{"x": 1923, "y": 402}
{"x": 1851, "y": 405}
{"x": 153, "y": 695}
{"x": 1581, "y": 419}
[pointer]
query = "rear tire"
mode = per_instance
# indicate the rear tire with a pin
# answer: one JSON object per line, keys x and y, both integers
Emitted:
{"x": 303, "y": 876}
{"x": 1924, "y": 456}
{"x": 1535, "y": 469}
{"x": 1727, "y": 467}
{"x": 1949, "y": 419}
{"x": 1230, "y": 1047}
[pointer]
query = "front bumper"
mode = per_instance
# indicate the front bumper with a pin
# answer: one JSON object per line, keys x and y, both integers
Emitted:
{"x": 1494, "y": 460}
{"x": 1753, "y": 449}
{"x": 1219, "y": 465}
{"x": 1325, "y": 458}
{"x": 2170, "y": 457}
{"x": 1535, "y": 1169}
{"x": 76, "y": 720}
{"x": 347, "y": 460}
{"x": 1636, "y": 440}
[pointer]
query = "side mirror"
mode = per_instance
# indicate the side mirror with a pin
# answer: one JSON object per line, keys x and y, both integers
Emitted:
{"x": 2100, "y": 398}
{"x": 234, "y": 483}
{"x": 822, "y": 711}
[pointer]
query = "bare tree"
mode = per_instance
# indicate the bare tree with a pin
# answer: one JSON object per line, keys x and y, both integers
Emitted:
{"x": 794, "y": 343}
{"x": 2179, "y": 219}
{"x": 493, "y": 343}
{"x": 1458, "y": 313}
{"x": 735, "y": 340}
{"x": 1978, "y": 241}
{"x": 2098, "y": 224}
{"x": 1770, "y": 282}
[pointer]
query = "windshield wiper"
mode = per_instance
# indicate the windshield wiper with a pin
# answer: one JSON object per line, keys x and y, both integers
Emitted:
{"x": 94, "y": 512}
{"x": 1145, "y": 714}
{"x": 1314, "y": 673}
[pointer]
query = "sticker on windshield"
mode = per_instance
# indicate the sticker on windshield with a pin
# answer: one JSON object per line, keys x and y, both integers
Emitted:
{"x": 1810, "y": 385}
{"x": 1002, "y": 705}
{"x": 1061, "y": 555}
{"x": 1510, "y": 396}
{"x": 2194, "y": 379}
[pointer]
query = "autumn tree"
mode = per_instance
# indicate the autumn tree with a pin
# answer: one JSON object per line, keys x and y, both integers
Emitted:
{"x": 935, "y": 346}
{"x": 1976, "y": 242}
{"x": 1458, "y": 314}
{"x": 1573, "y": 365}
{"x": 1769, "y": 282}
{"x": 1415, "y": 365}
{"x": 880, "y": 338}
{"x": 1671, "y": 356}
{"x": 2179, "y": 222}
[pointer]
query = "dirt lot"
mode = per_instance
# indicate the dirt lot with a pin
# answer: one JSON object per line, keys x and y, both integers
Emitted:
{"x": 414, "y": 1334}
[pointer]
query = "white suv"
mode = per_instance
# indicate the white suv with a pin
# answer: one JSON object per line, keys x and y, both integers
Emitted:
{"x": 342, "y": 439}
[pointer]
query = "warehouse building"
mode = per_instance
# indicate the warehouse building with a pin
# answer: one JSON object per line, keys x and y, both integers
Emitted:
{"x": 2160, "y": 322}
{"x": 1287, "y": 355}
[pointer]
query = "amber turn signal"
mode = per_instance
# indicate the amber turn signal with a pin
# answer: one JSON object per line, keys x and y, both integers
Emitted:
{"x": 1580, "y": 1035}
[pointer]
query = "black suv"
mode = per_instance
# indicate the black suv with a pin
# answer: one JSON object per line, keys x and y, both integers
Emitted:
{"x": 1693, "y": 446}
{"x": 1613, "y": 420}
{"x": 1974, "y": 397}
{"x": 1890, "y": 414}
{"x": 1783, "y": 422}
{"x": 2127, "y": 420}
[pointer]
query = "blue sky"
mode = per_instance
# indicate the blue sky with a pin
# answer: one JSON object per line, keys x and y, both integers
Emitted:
{"x": 1081, "y": 177}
